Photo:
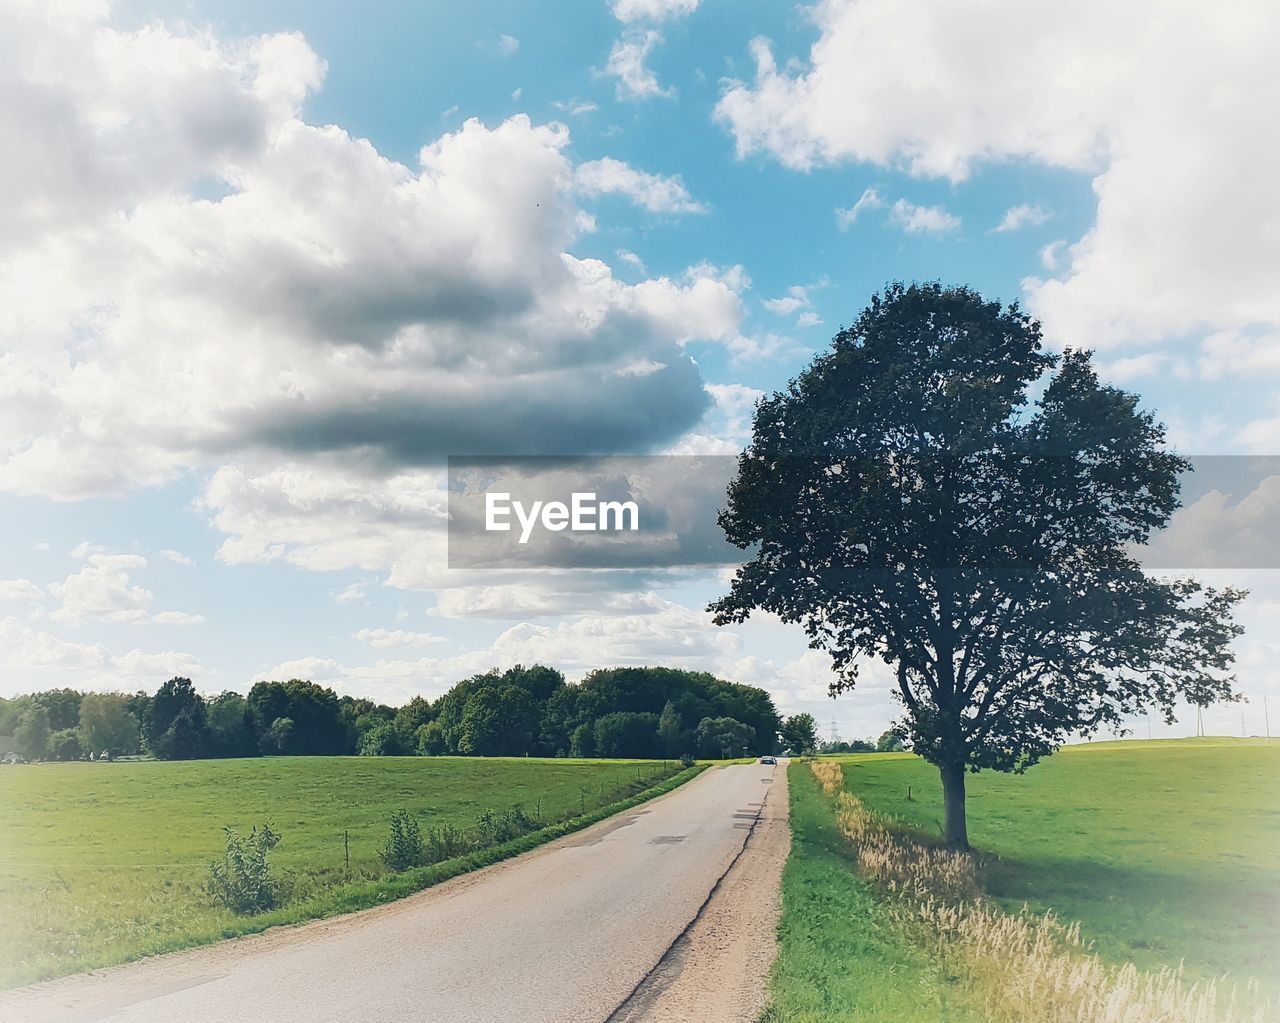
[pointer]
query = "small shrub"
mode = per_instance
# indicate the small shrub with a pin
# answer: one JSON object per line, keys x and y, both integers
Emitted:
{"x": 495, "y": 828}
{"x": 243, "y": 880}
{"x": 446, "y": 842}
{"x": 404, "y": 848}
{"x": 686, "y": 760}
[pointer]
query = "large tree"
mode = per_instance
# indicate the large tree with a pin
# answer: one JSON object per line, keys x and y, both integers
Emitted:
{"x": 940, "y": 493}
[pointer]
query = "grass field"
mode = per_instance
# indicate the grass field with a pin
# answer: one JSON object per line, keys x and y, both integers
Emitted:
{"x": 101, "y": 863}
{"x": 1166, "y": 852}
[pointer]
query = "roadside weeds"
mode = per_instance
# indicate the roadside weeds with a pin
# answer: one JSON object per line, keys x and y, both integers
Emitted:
{"x": 1023, "y": 968}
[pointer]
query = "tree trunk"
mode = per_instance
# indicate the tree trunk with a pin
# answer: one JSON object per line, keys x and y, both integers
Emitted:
{"x": 957, "y": 828}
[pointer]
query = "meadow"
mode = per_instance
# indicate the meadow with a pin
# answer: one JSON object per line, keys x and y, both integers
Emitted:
{"x": 1164, "y": 852}
{"x": 102, "y": 863}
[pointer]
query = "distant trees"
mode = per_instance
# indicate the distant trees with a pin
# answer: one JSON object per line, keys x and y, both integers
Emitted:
{"x": 32, "y": 734}
{"x": 64, "y": 744}
{"x": 800, "y": 733}
{"x": 725, "y": 737}
{"x": 626, "y": 733}
{"x": 231, "y": 731}
{"x": 525, "y": 710}
{"x": 670, "y": 734}
{"x": 890, "y": 742}
{"x": 107, "y": 724}
{"x": 317, "y": 728}
{"x": 176, "y": 723}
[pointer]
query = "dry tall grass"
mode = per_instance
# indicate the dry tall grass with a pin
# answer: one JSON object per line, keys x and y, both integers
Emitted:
{"x": 1023, "y": 968}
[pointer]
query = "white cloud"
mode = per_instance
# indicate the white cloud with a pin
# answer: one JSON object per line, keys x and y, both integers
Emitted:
{"x": 922, "y": 219}
{"x": 767, "y": 347}
{"x": 42, "y": 546}
{"x": 868, "y": 200}
{"x": 631, "y": 259}
{"x": 654, "y": 192}
{"x": 397, "y": 638}
{"x": 1163, "y": 106}
{"x": 507, "y": 45}
{"x": 796, "y": 298}
{"x": 575, "y": 107}
{"x": 628, "y": 11}
{"x": 101, "y": 591}
{"x": 177, "y": 618}
{"x": 177, "y": 557}
{"x": 809, "y": 319}
{"x": 1123, "y": 370}
{"x": 635, "y": 79}
{"x": 20, "y": 589}
{"x": 1022, "y": 215}
{"x": 1051, "y": 254}
{"x": 1239, "y": 352}
{"x": 32, "y": 659}
{"x": 353, "y": 594}
{"x": 327, "y": 299}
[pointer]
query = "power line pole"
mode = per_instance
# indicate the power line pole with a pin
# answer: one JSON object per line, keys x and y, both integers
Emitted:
{"x": 1265, "y": 716}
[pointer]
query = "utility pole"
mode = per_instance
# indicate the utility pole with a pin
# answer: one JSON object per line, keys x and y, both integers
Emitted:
{"x": 1265, "y": 716}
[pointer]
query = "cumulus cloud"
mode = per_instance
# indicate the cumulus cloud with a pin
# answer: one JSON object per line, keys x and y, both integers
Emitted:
{"x": 631, "y": 259}
{"x": 1162, "y": 106}
{"x": 397, "y": 638}
{"x": 628, "y": 11}
{"x": 32, "y": 659}
{"x": 325, "y": 299}
{"x": 177, "y": 557}
{"x": 922, "y": 219}
{"x": 1020, "y": 216}
{"x": 102, "y": 590}
{"x": 627, "y": 63}
{"x": 654, "y": 192}
{"x": 21, "y": 590}
{"x": 177, "y": 618}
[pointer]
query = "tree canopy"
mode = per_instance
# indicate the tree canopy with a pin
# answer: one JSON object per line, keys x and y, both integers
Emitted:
{"x": 618, "y": 712}
{"x": 939, "y": 492}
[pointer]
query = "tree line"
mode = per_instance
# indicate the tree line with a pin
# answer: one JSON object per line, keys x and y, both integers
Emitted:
{"x": 523, "y": 711}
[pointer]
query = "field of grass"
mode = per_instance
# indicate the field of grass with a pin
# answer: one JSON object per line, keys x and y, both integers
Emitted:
{"x": 1166, "y": 852}
{"x": 101, "y": 863}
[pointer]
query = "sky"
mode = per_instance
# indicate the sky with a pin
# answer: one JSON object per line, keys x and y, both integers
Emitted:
{"x": 265, "y": 266}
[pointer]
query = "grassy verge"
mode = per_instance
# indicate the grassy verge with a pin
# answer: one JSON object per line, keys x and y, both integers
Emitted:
{"x": 101, "y": 864}
{"x": 841, "y": 953}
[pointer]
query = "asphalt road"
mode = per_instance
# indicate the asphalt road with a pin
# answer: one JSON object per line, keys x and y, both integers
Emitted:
{"x": 563, "y": 934}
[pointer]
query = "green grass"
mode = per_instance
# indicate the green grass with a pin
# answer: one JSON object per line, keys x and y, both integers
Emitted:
{"x": 1166, "y": 851}
{"x": 102, "y": 863}
{"x": 840, "y": 957}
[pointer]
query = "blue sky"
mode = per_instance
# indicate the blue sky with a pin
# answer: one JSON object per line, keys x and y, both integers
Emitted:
{"x": 218, "y": 275}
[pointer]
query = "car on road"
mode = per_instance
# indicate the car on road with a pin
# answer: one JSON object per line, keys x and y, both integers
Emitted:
{"x": 768, "y": 760}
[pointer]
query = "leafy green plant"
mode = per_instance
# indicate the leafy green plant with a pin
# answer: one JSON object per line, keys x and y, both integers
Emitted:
{"x": 495, "y": 828}
{"x": 404, "y": 848}
{"x": 243, "y": 880}
{"x": 446, "y": 842}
